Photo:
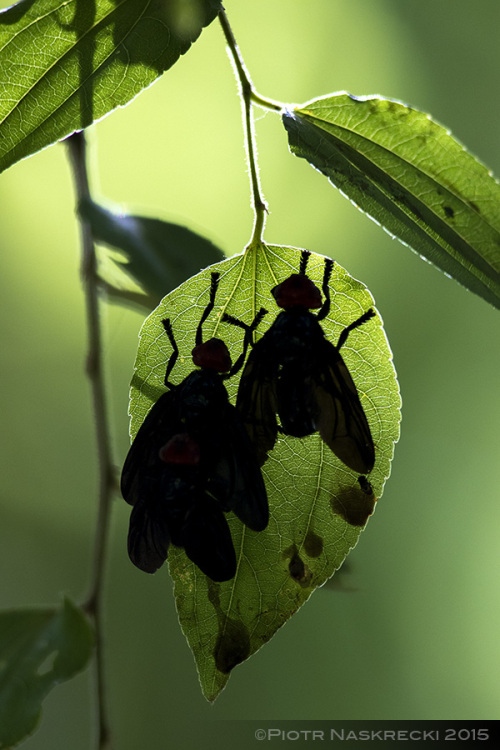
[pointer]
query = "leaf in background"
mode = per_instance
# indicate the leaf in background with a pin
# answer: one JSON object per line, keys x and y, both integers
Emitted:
{"x": 317, "y": 508}
{"x": 411, "y": 176}
{"x": 64, "y": 65}
{"x": 159, "y": 255}
{"x": 39, "y": 648}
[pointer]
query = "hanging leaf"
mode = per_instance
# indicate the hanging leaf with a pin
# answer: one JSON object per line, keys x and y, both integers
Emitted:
{"x": 39, "y": 648}
{"x": 65, "y": 65}
{"x": 159, "y": 255}
{"x": 317, "y": 506}
{"x": 411, "y": 176}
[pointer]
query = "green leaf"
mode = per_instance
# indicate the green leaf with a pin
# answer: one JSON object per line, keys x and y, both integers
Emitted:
{"x": 39, "y": 648}
{"x": 158, "y": 255}
{"x": 317, "y": 508}
{"x": 411, "y": 176}
{"x": 64, "y": 65}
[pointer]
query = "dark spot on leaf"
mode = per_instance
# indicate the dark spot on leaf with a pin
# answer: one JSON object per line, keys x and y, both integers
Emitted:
{"x": 354, "y": 504}
{"x": 290, "y": 551}
{"x": 213, "y": 596}
{"x": 298, "y": 570}
{"x": 474, "y": 207}
{"x": 449, "y": 212}
{"x": 233, "y": 640}
{"x": 313, "y": 544}
{"x": 232, "y": 645}
{"x": 296, "y": 567}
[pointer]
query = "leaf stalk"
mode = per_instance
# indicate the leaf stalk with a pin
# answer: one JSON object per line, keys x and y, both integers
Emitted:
{"x": 249, "y": 96}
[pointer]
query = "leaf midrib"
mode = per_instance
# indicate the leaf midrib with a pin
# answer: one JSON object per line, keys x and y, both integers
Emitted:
{"x": 479, "y": 259}
{"x": 310, "y": 114}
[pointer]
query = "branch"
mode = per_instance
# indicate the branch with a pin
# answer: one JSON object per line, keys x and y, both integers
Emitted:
{"x": 77, "y": 152}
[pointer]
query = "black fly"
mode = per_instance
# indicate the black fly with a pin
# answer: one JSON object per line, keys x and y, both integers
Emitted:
{"x": 191, "y": 461}
{"x": 295, "y": 373}
{"x": 181, "y": 511}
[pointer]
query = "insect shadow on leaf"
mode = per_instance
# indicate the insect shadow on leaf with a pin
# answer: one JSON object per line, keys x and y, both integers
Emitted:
{"x": 295, "y": 373}
{"x": 354, "y": 504}
{"x": 192, "y": 461}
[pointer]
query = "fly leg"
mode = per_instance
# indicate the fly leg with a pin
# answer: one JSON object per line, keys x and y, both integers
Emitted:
{"x": 175, "y": 353}
{"x": 359, "y": 322}
{"x": 247, "y": 341}
{"x": 325, "y": 307}
{"x": 208, "y": 309}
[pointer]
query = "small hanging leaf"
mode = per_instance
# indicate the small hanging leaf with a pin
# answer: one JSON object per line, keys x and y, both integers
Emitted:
{"x": 411, "y": 176}
{"x": 64, "y": 65}
{"x": 39, "y": 648}
{"x": 158, "y": 255}
{"x": 317, "y": 506}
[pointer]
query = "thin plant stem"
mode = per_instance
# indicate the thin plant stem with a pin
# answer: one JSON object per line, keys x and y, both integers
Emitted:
{"x": 93, "y": 605}
{"x": 242, "y": 72}
{"x": 249, "y": 95}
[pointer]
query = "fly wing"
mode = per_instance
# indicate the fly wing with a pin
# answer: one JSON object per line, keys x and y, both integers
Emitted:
{"x": 297, "y": 404}
{"x": 207, "y": 540}
{"x": 142, "y": 468}
{"x": 257, "y": 402}
{"x": 148, "y": 537}
{"x": 341, "y": 420}
{"x": 235, "y": 479}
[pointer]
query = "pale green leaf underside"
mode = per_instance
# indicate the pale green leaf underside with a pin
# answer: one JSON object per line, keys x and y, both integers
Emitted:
{"x": 39, "y": 648}
{"x": 66, "y": 63}
{"x": 411, "y": 176}
{"x": 310, "y": 492}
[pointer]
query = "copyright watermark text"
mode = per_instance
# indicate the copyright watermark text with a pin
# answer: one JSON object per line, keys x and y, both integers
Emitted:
{"x": 450, "y": 734}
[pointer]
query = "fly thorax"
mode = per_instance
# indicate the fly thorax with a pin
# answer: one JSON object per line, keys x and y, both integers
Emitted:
{"x": 295, "y": 331}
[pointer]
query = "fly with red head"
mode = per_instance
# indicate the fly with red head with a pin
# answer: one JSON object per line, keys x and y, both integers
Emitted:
{"x": 296, "y": 374}
{"x": 191, "y": 462}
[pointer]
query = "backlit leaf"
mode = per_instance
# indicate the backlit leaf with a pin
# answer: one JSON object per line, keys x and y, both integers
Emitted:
{"x": 317, "y": 508}
{"x": 64, "y": 65}
{"x": 411, "y": 176}
{"x": 39, "y": 648}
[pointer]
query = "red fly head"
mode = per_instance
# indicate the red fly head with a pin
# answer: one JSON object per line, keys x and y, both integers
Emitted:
{"x": 212, "y": 355}
{"x": 297, "y": 291}
{"x": 180, "y": 449}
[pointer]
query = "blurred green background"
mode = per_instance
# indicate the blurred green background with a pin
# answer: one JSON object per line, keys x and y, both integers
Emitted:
{"x": 414, "y": 632}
